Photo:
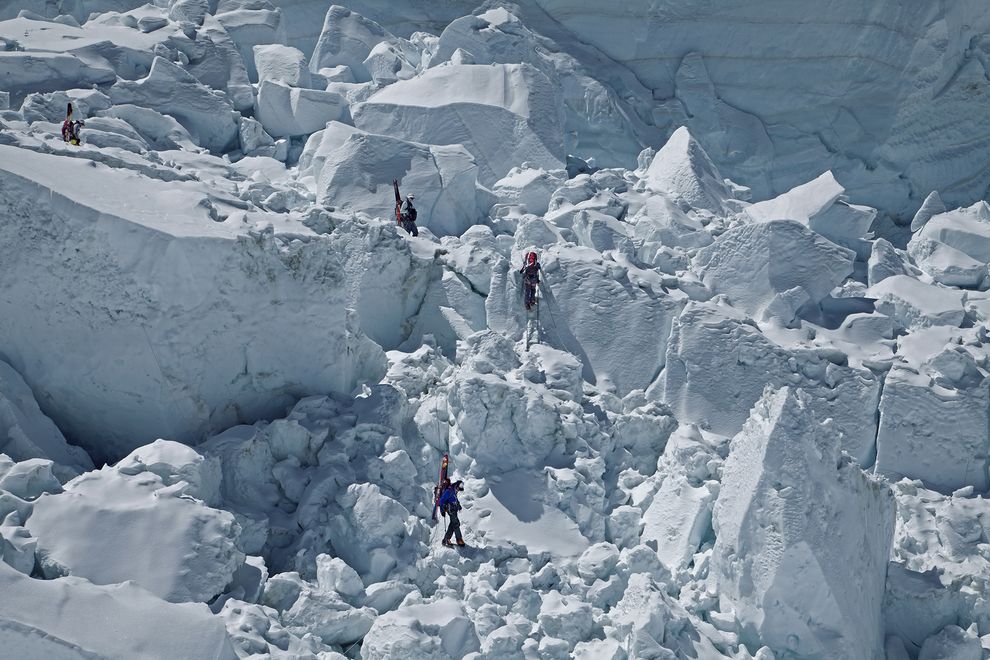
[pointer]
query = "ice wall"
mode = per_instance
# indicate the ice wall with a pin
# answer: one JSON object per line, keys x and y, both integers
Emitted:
{"x": 146, "y": 318}
{"x": 796, "y": 526}
{"x": 871, "y": 91}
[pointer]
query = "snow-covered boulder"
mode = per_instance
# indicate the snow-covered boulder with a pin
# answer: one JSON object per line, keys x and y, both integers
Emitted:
{"x": 937, "y": 576}
{"x": 249, "y": 25}
{"x": 217, "y": 63}
{"x": 953, "y": 643}
{"x": 25, "y": 72}
{"x": 504, "y": 114}
{"x": 143, "y": 358}
{"x": 795, "y": 526}
{"x": 947, "y": 265}
{"x": 932, "y": 205}
{"x": 320, "y": 145}
{"x": 487, "y": 406}
{"x": 323, "y": 613}
{"x": 678, "y": 519}
{"x": 936, "y": 432}
{"x": 528, "y": 186}
{"x": 598, "y": 123}
{"x": 68, "y": 618}
{"x": 368, "y": 528}
{"x": 820, "y": 206}
{"x": 51, "y": 106}
{"x": 437, "y": 629}
{"x": 886, "y": 261}
{"x": 916, "y": 304}
{"x": 254, "y": 140}
{"x": 25, "y": 431}
{"x": 565, "y": 617}
{"x": 718, "y": 364}
{"x": 387, "y": 64}
{"x": 28, "y": 479}
{"x": 333, "y": 574}
{"x": 772, "y": 269}
{"x": 99, "y": 528}
{"x": 160, "y": 131}
{"x": 357, "y": 176}
{"x": 682, "y": 170}
{"x": 347, "y": 39}
{"x": 965, "y": 229}
{"x": 173, "y": 463}
{"x": 283, "y": 64}
{"x": 639, "y": 620}
{"x": 256, "y": 630}
{"x": 289, "y": 111}
{"x": 169, "y": 89}
{"x": 660, "y": 222}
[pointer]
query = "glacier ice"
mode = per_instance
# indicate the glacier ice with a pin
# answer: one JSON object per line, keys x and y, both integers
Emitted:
{"x": 789, "y": 541}
{"x": 504, "y": 114}
{"x": 227, "y": 377}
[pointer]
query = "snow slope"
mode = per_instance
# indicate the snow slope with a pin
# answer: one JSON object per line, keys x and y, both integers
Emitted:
{"x": 747, "y": 417}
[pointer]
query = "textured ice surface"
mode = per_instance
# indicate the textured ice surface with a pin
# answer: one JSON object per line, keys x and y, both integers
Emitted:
{"x": 795, "y": 525}
{"x": 210, "y": 293}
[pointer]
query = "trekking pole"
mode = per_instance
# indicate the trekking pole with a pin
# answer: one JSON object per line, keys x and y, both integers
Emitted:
{"x": 552, "y": 322}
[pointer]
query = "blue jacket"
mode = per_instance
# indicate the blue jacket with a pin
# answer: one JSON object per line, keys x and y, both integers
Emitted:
{"x": 449, "y": 497}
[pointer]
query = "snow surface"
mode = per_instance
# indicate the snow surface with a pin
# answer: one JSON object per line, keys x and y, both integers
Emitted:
{"x": 747, "y": 418}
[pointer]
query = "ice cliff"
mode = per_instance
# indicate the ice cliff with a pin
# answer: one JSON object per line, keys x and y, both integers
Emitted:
{"x": 747, "y": 418}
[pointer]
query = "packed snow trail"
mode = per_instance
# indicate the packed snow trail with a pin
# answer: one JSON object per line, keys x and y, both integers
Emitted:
{"x": 730, "y": 400}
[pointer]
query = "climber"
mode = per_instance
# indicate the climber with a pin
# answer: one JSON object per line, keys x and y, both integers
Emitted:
{"x": 449, "y": 506}
{"x": 405, "y": 212}
{"x": 531, "y": 279}
{"x": 70, "y": 128}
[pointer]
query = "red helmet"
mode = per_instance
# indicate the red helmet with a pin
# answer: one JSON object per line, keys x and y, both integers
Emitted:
{"x": 531, "y": 258}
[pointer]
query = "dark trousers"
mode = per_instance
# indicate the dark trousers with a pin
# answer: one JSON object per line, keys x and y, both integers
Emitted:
{"x": 453, "y": 527}
{"x": 530, "y": 293}
{"x": 410, "y": 226}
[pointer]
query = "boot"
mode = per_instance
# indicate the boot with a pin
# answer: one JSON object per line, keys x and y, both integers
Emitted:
{"x": 461, "y": 543}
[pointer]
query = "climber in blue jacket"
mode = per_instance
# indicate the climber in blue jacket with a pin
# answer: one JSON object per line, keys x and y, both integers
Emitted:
{"x": 449, "y": 506}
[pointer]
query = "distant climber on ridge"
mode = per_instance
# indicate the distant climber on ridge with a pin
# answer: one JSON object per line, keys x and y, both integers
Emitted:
{"x": 449, "y": 506}
{"x": 531, "y": 279}
{"x": 405, "y": 212}
{"x": 70, "y": 128}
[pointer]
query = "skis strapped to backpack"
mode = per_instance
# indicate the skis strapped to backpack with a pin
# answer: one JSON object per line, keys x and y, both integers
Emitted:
{"x": 398, "y": 203}
{"x": 438, "y": 489}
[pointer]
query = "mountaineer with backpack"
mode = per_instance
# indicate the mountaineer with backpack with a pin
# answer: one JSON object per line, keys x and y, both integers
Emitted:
{"x": 449, "y": 506}
{"x": 70, "y": 128}
{"x": 531, "y": 279}
{"x": 405, "y": 212}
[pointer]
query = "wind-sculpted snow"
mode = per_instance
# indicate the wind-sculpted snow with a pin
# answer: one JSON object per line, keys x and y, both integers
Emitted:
{"x": 795, "y": 526}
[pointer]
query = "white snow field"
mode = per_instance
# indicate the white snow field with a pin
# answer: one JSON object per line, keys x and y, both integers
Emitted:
{"x": 748, "y": 417}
